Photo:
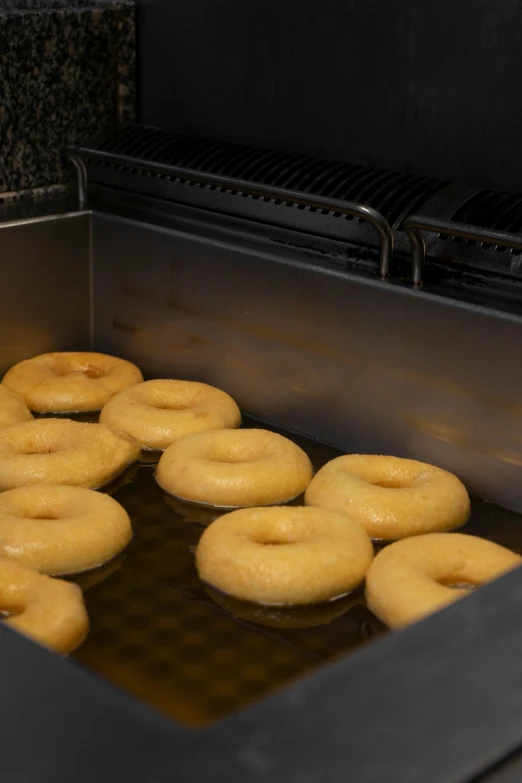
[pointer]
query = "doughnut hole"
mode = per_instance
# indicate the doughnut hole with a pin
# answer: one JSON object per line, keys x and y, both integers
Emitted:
{"x": 170, "y": 398}
{"x": 233, "y": 453}
{"x": 62, "y": 366}
{"x": 391, "y": 474}
{"x": 32, "y": 444}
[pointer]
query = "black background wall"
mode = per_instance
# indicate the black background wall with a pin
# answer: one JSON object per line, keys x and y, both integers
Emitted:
{"x": 427, "y": 87}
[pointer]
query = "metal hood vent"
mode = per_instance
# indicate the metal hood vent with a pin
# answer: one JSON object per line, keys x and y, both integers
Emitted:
{"x": 237, "y": 180}
{"x": 393, "y": 195}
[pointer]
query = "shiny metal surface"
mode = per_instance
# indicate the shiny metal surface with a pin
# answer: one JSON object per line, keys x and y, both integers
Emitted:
{"x": 365, "y": 365}
{"x": 81, "y": 174}
{"x": 45, "y": 293}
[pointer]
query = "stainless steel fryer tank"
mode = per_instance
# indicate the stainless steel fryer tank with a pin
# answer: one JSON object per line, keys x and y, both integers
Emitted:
{"x": 359, "y": 363}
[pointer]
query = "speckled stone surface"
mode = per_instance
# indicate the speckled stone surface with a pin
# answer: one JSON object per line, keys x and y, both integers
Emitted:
{"x": 39, "y": 5}
{"x": 67, "y": 70}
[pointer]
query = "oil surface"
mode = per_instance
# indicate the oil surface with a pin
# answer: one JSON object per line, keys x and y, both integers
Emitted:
{"x": 193, "y": 653}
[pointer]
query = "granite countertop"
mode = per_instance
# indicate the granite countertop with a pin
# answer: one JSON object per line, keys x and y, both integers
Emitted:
{"x": 67, "y": 71}
{"x": 8, "y": 6}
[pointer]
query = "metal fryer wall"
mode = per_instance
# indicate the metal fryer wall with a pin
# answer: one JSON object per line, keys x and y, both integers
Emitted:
{"x": 45, "y": 296}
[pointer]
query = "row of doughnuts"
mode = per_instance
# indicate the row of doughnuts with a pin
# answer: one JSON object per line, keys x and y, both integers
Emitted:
{"x": 216, "y": 465}
{"x": 51, "y": 524}
{"x": 208, "y": 461}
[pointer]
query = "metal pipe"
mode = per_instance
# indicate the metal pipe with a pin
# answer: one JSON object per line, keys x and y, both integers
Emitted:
{"x": 379, "y": 223}
{"x": 81, "y": 172}
{"x": 414, "y": 225}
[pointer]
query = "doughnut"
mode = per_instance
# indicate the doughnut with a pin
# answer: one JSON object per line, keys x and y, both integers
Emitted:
{"x": 160, "y": 412}
{"x": 48, "y": 611}
{"x": 413, "y": 578}
{"x": 390, "y": 497}
{"x": 284, "y": 555}
{"x": 284, "y": 616}
{"x": 234, "y": 468}
{"x": 61, "y": 530}
{"x": 12, "y": 408}
{"x": 70, "y": 382}
{"x": 61, "y": 451}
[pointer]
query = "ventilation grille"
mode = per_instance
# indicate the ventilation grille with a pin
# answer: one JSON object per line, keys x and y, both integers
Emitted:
{"x": 393, "y": 195}
{"x": 489, "y": 209}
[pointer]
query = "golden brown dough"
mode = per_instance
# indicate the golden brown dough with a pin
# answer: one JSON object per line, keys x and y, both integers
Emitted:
{"x": 12, "y": 408}
{"x": 61, "y": 451}
{"x": 61, "y": 530}
{"x": 70, "y": 382}
{"x": 284, "y": 555}
{"x": 48, "y": 611}
{"x": 411, "y": 579}
{"x": 391, "y": 497}
{"x": 159, "y": 412}
{"x": 234, "y": 468}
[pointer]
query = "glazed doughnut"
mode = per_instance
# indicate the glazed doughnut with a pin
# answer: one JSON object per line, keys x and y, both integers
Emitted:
{"x": 160, "y": 412}
{"x": 49, "y": 611}
{"x": 61, "y": 530}
{"x": 284, "y": 555}
{"x": 234, "y": 468}
{"x": 284, "y": 616}
{"x": 70, "y": 382}
{"x": 411, "y": 579}
{"x": 61, "y": 451}
{"x": 391, "y": 497}
{"x": 12, "y": 408}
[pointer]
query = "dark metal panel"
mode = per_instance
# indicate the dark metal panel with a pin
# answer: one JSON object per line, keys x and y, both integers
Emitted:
{"x": 59, "y": 723}
{"x": 363, "y": 364}
{"x": 415, "y": 86}
{"x": 45, "y": 294}
{"x": 507, "y": 771}
{"x": 437, "y": 703}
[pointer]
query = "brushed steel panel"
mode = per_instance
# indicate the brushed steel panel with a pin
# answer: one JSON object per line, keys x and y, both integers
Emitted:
{"x": 45, "y": 294}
